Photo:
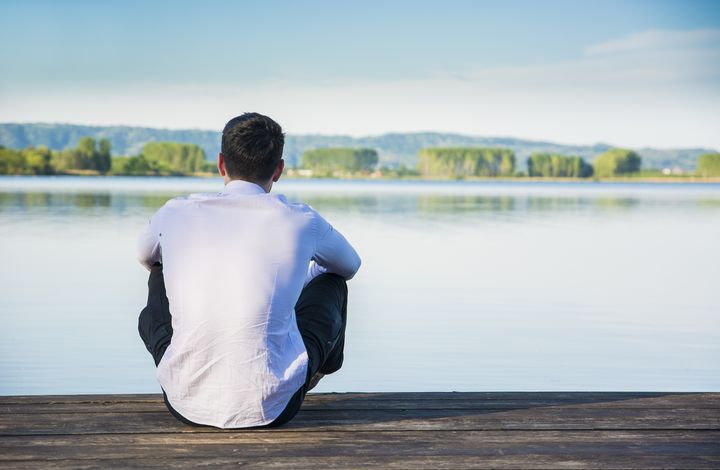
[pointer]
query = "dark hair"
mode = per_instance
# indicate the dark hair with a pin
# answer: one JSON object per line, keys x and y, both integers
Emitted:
{"x": 252, "y": 145}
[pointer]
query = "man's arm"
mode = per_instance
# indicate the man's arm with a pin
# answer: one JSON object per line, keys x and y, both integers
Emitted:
{"x": 333, "y": 253}
{"x": 148, "y": 245}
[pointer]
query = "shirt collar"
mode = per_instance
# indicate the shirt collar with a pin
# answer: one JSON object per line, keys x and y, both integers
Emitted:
{"x": 242, "y": 187}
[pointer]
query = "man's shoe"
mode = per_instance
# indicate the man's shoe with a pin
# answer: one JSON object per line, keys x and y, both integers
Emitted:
{"x": 315, "y": 379}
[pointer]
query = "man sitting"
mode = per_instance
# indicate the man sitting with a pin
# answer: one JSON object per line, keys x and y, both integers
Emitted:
{"x": 247, "y": 294}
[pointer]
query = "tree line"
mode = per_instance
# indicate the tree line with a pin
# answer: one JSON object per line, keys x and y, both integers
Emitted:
{"x": 92, "y": 156}
{"x": 541, "y": 164}
{"x": 708, "y": 164}
{"x": 401, "y": 148}
{"x": 339, "y": 160}
{"x": 172, "y": 158}
{"x": 88, "y": 156}
{"x": 461, "y": 162}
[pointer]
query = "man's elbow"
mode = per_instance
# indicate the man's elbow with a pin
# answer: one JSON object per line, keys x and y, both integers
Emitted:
{"x": 145, "y": 261}
{"x": 354, "y": 267}
{"x": 148, "y": 251}
{"x": 148, "y": 257}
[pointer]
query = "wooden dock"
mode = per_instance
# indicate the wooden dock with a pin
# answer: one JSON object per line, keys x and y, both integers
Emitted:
{"x": 374, "y": 430}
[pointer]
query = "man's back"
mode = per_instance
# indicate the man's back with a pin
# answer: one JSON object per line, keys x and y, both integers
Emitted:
{"x": 234, "y": 265}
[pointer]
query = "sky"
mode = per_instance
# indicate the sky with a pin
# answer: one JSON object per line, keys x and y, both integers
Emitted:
{"x": 630, "y": 73}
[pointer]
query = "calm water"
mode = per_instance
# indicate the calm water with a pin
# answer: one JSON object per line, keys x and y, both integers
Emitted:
{"x": 464, "y": 286}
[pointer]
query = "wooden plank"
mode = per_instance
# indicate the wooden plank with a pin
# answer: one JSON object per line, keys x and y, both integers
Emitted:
{"x": 152, "y": 403}
{"x": 378, "y": 401}
{"x": 281, "y": 443}
{"x": 527, "y": 461}
{"x": 393, "y": 396}
{"x": 545, "y": 418}
{"x": 378, "y": 430}
{"x": 82, "y": 398}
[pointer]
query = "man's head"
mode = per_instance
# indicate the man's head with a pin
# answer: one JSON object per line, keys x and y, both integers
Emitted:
{"x": 251, "y": 150}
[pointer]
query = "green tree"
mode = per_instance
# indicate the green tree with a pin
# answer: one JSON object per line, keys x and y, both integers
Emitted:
{"x": 131, "y": 166}
{"x": 37, "y": 160}
{"x": 554, "y": 165}
{"x": 399, "y": 171}
{"x": 86, "y": 147}
{"x": 118, "y": 165}
{"x": 174, "y": 157}
{"x": 616, "y": 162}
{"x": 12, "y": 162}
{"x": 29, "y": 161}
{"x": 103, "y": 159}
{"x": 210, "y": 167}
{"x": 709, "y": 164}
{"x": 85, "y": 156}
{"x": 65, "y": 160}
{"x": 326, "y": 161}
{"x": 460, "y": 162}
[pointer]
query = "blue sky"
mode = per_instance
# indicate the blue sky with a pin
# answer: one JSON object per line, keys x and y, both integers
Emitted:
{"x": 626, "y": 72}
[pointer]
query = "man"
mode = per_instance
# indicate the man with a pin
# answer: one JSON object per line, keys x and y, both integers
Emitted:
{"x": 247, "y": 294}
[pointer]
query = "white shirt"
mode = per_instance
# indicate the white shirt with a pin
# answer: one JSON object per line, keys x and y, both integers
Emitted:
{"x": 234, "y": 265}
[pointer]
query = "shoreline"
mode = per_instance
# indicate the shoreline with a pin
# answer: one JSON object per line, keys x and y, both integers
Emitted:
{"x": 649, "y": 179}
{"x": 522, "y": 179}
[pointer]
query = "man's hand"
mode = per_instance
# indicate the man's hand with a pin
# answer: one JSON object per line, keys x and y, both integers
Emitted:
{"x": 313, "y": 271}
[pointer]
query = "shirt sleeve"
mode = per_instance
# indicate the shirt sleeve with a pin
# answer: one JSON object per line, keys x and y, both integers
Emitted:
{"x": 333, "y": 253}
{"x": 148, "y": 244}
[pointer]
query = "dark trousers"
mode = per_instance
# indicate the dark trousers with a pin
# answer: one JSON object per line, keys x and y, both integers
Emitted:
{"x": 321, "y": 313}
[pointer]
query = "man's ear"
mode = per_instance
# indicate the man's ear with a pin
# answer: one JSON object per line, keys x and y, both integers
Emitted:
{"x": 221, "y": 164}
{"x": 278, "y": 170}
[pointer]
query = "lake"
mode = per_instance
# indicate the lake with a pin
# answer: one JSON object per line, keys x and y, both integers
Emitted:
{"x": 467, "y": 286}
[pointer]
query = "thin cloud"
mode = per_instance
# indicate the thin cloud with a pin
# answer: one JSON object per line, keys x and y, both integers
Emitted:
{"x": 646, "y": 59}
{"x": 658, "y": 39}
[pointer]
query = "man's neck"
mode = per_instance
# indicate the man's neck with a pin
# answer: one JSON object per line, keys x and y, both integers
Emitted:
{"x": 267, "y": 186}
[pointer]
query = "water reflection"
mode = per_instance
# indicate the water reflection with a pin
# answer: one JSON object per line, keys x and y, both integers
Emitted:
{"x": 34, "y": 200}
{"x": 362, "y": 204}
{"x": 463, "y": 286}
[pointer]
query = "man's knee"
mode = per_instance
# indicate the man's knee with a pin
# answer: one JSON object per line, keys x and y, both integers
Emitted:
{"x": 325, "y": 284}
{"x": 331, "y": 278}
{"x": 325, "y": 295}
{"x": 155, "y": 334}
{"x": 155, "y": 322}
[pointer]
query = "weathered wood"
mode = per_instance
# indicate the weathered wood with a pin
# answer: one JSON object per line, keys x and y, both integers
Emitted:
{"x": 547, "y": 418}
{"x": 386, "y": 430}
{"x": 256, "y": 445}
{"x": 528, "y": 461}
{"x": 372, "y": 401}
{"x": 153, "y": 403}
{"x": 392, "y": 396}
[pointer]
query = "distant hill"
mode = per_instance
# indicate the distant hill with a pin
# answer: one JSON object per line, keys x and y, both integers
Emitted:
{"x": 393, "y": 149}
